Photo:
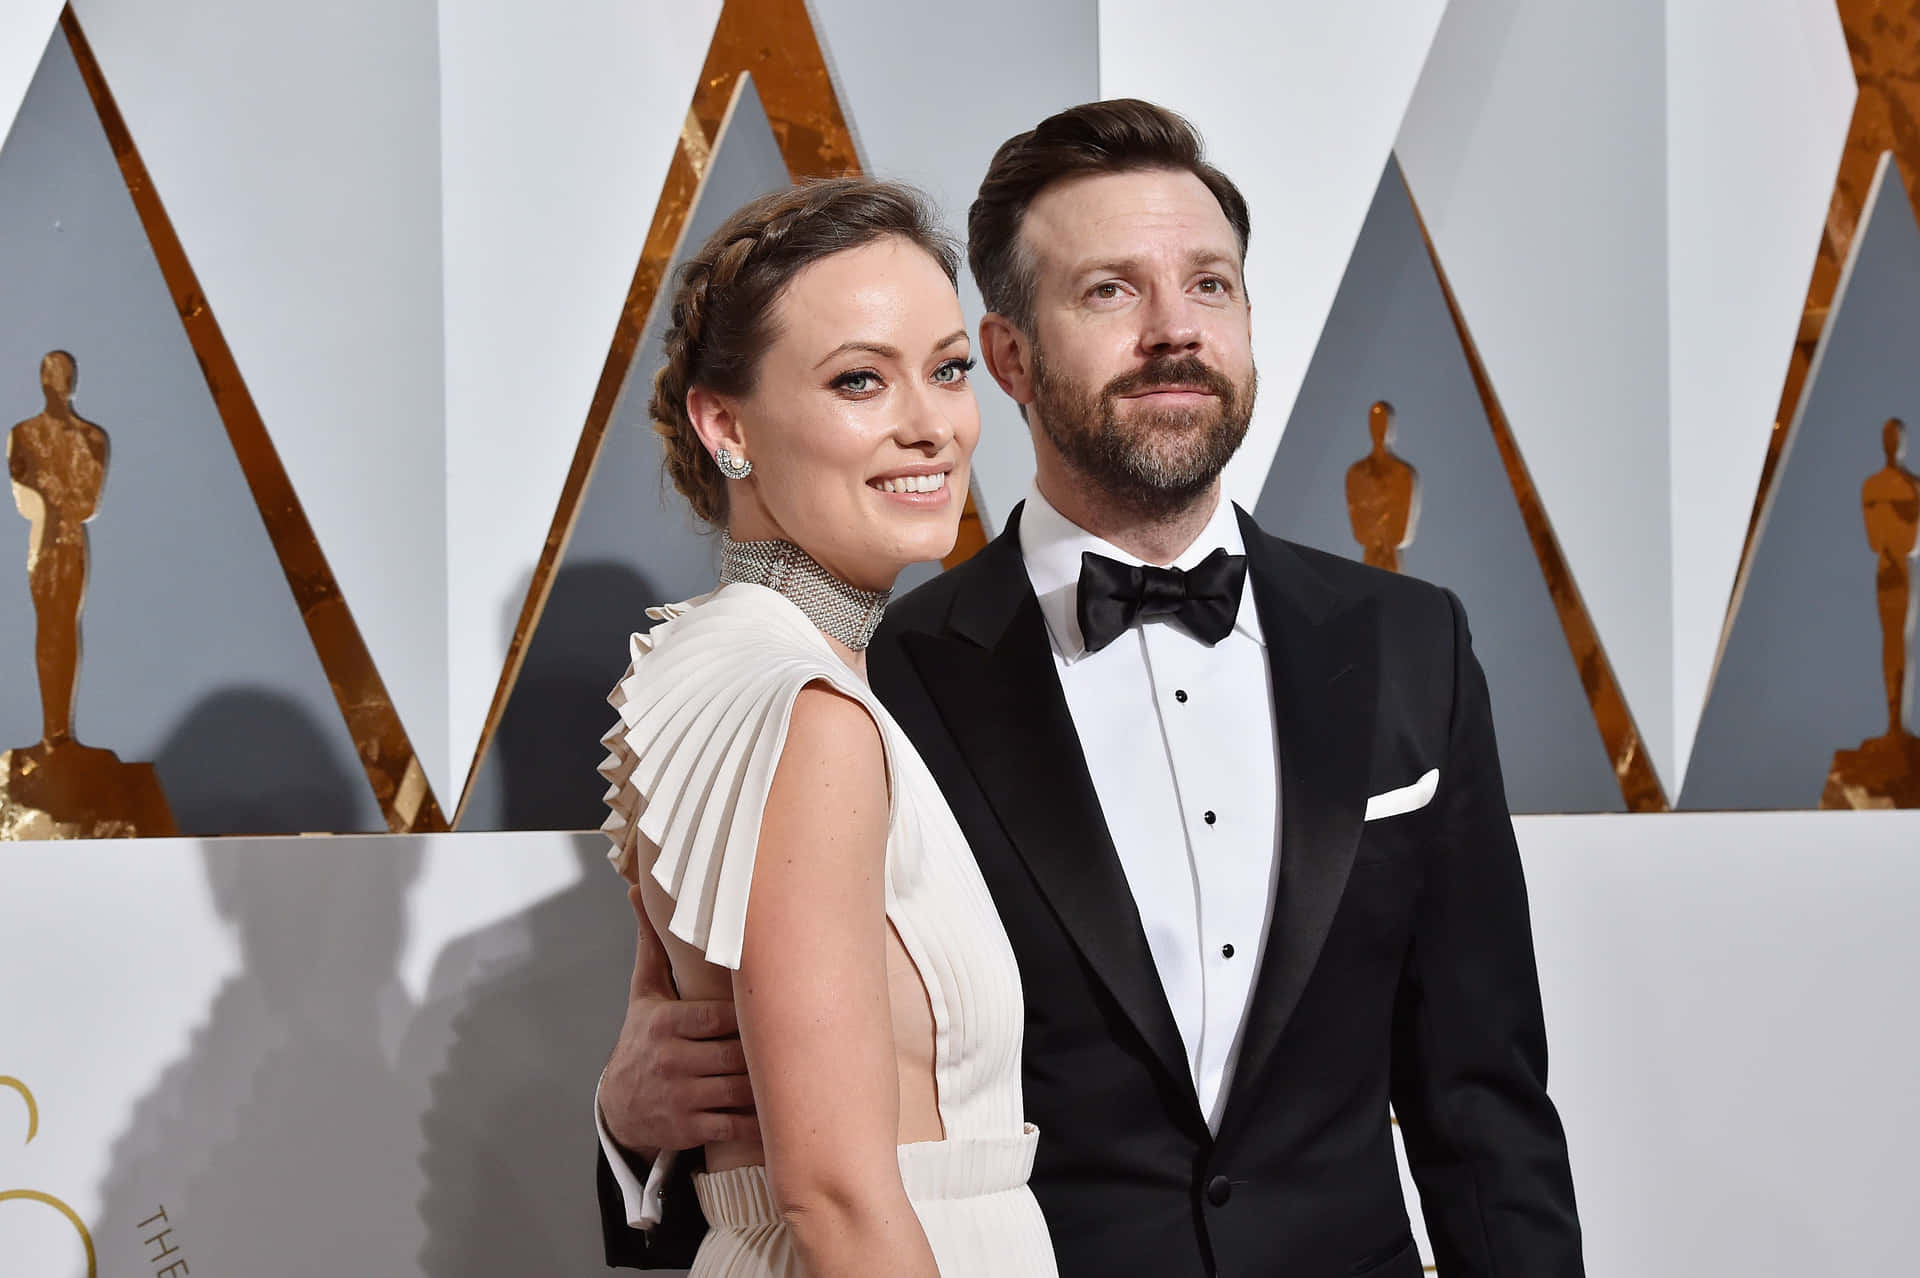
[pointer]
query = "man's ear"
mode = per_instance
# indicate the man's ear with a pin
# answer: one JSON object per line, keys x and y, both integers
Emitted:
{"x": 1009, "y": 356}
{"x": 715, "y": 421}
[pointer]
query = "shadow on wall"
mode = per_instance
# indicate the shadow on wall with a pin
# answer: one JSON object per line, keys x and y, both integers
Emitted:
{"x": 541, "y": 773}
{"x": 519, "y": 1016}
{"x": 284, "y": 1111}
{"x": 252, "y": 761}
{"x": 523, "y": 1014}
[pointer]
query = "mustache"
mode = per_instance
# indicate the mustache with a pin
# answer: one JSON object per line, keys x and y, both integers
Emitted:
{"x": 1169, "y": 371}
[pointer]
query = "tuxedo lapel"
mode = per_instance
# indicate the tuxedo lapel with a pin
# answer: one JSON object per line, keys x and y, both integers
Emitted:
{"x": 991, "y": 675}
{"x": 1324, "y": 659}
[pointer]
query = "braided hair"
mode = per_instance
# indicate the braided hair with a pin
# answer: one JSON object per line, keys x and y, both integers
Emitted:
{"x": 721, "y": 321}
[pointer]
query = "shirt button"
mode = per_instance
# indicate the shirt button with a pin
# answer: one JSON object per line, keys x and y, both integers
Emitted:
{"x": 1180, "y": 695}
{"x": 1219, "y": 1189}
{"x": 1226, "y": 951}
{"x": 1208, "y": 817}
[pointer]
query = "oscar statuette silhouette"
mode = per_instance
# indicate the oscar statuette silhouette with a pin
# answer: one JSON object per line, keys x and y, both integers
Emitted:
{"x": 1885, "y": 771}
{"x": 1383, "y": 495}
{"x": 58, "y": 788}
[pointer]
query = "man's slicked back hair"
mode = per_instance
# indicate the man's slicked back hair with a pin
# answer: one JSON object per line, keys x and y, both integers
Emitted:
{"x": 1123, "y": 135}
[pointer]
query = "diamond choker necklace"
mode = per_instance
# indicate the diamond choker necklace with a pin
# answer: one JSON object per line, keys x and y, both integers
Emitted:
{"x": 847, "y": 613}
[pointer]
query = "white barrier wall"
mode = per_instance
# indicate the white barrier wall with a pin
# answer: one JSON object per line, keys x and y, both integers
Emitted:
{"x": 376, "y": 1055}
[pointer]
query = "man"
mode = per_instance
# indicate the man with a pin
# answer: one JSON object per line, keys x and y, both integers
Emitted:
{"x": 1242, "y": 816}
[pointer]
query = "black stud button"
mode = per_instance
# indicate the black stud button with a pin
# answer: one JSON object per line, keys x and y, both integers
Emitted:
{"x": 1180, "y": 695}
{"x": 1219, "y": 1189}
{"x": 1208, "y": 817}
{"x": 1226, "y": 951}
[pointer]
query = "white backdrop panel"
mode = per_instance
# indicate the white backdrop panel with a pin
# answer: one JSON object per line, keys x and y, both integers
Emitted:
{"x": 239, "y": 1030}
{"x": 558, "y": 124}
{"x": 1535, "y": 146}
{"x": 1759, "y": 93}
{"x": 25, "y": 26}
{"x": 297, "y": 152}
{"x": 1299, "y": 102}
{"x": 1727, "y": 1001}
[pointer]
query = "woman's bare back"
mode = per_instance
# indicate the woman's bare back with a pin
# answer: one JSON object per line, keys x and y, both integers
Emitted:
{"x": 912, "y": 1010}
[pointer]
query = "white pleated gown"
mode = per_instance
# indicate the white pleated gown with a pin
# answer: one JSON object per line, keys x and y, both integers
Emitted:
{"x": 703, "y": 717}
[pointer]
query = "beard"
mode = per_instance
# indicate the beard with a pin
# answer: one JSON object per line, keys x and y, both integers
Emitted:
{"x": 1153, "y": 461}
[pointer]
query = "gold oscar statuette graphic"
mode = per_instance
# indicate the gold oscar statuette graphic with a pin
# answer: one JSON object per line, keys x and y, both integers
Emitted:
{"x": 60, "y": 789}
{"x": 36, "y": 1196}
{"x": 1885, "y": 771}
{"x": 1383, "y": 495}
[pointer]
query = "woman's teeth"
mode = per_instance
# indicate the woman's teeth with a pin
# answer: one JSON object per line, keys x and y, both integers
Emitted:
{"x": 912, "y": 484}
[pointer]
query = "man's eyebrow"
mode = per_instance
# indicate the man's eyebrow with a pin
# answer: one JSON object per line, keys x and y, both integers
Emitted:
{"x": 1127, "y": 265}
{"x": 1107, "y": 266}
{"x": 885, "y": 351}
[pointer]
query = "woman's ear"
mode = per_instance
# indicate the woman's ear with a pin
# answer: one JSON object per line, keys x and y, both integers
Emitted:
{"x": 1009, "y": 356}
{"x": 715, "y": 421}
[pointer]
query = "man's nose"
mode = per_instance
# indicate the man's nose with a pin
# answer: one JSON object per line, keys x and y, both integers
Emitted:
{"x": 1172, "y": 325}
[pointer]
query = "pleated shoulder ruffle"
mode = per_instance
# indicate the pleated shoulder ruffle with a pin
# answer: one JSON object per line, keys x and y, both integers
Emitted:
{"x": 704, "y": 709}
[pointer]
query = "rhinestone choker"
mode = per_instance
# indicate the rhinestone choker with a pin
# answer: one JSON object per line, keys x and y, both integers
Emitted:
{"x": 845, "y": 612}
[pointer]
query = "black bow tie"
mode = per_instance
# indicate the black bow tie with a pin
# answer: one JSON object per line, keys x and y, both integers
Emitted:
{"x": 1114, "y": 596}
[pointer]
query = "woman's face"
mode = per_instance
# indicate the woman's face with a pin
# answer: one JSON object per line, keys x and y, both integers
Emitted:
{"x": 861, "y": 422}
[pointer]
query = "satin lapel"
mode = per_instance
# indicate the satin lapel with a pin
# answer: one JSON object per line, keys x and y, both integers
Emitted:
{"x": 993, "y": 679}
{"x": 1324, "y": 658}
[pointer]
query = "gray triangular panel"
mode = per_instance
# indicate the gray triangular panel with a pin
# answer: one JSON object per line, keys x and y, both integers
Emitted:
{"x": 194, "y": 658}
{"x": 1800, "y": 675}
{"x": 1390, "y": 337}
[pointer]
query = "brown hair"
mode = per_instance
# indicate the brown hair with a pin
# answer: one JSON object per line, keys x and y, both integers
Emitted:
{"x": 1124, "y": 135}
{"x": 721, "y": 321}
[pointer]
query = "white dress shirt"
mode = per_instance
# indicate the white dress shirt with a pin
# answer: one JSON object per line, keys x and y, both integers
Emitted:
{"x": 1179, "y": 740}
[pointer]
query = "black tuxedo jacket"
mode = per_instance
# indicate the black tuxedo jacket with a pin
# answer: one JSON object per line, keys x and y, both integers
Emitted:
{"x": 1398, "y": 966}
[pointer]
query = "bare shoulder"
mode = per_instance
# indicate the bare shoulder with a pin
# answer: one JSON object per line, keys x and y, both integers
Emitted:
{"x": 833, "y": 738}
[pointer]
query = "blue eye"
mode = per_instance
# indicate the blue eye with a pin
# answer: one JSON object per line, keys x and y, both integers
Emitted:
{"x": 954, "y": 370}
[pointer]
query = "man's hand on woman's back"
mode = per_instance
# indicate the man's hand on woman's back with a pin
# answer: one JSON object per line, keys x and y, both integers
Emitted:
{"x": 677, "y": 1077}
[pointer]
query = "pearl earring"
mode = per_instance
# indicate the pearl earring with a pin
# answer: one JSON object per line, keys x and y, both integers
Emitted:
{"x": 732, "y": 467}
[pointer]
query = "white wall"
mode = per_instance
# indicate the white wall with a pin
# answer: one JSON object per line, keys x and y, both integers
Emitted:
{"x": 1728, "y": 1005}
{"x": 25, "y": 26}
{"x": 399, "y": 1036}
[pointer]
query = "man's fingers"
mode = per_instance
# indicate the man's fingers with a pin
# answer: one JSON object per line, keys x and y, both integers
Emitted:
{"x": 714, "y": 1128}
{"x": 652, "y": 974}
{"x": 722, "y": 1092}
{"x": 702, "y": 1057}
{"x": 697, "y": 1018}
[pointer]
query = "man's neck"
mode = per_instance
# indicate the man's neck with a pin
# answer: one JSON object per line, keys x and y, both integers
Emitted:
{"x": 1154, "y": 537}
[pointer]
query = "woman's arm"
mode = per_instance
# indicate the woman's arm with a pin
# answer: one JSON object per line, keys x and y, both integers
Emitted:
{"x": 812, "y": 999}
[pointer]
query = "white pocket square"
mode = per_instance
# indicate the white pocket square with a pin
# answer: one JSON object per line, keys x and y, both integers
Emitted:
{"x": 1405, "y": 799}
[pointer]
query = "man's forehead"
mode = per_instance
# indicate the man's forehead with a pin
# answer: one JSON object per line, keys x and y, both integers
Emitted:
{"x": 1157, "y": 212}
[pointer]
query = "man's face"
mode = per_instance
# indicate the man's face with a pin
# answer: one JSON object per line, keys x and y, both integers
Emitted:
{"x": 1142, "y": 352}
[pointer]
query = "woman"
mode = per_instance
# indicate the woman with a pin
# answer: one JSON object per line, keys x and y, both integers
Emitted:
{"x": 815, "y": 406}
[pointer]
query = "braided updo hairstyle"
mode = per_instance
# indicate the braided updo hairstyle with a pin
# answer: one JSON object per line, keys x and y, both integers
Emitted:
{"x": 722, "y": 318}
